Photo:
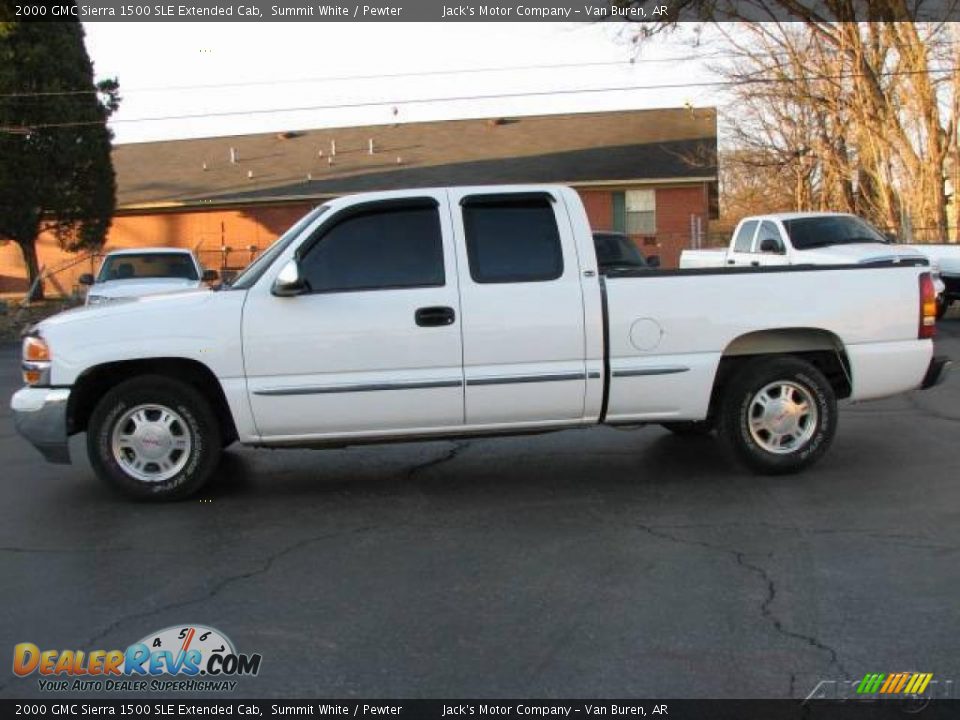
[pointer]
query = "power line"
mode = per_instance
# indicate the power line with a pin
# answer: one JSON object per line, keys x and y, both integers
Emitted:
{"x": 376, "y": 76}
{"x": 493, "y": 96}
{"x": 632, "y": 62}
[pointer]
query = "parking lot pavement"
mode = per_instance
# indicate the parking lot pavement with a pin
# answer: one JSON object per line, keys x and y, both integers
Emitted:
{"x": 602, "y": 563}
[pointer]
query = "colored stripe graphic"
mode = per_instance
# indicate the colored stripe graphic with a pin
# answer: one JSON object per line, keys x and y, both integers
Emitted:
{"x": 891, "y": 681}
{"x": 869, "y": 683}
{"x": 895, "y": 683}
{"x": 903, "y": 681}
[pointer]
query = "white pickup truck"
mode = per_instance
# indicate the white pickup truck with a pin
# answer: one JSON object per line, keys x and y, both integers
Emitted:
{"x": 811, "y": 238}
{"x": 945, "y": 260}
{"x": 138, "y": 272}
{"x": 438, "y": 313}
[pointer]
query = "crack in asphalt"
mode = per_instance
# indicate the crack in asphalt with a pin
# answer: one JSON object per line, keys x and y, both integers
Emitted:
{"x": 219, "y": 587}
{"x": 911, "y": 398}
{"x": 766, "y": 610}
{"x": 265, "y": 567}
{"x": 451, "y": 454}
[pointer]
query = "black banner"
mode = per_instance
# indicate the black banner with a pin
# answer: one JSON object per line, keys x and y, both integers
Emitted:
{"x": 587, "y": 11}
{"x": 477, "y": 709}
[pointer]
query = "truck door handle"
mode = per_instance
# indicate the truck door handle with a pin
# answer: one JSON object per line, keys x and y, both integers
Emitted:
{"x": 731, "y": 262}
{"x": 435, "y": 316}
{"x": 755, "y": 263}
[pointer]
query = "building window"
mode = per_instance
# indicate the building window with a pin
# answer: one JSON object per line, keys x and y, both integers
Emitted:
{"x": 641, "y": 212}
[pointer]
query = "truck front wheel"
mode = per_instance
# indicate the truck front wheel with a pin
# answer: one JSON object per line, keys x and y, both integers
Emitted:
{"x": 778, "y": 415}
{"x": 154, "y": 438}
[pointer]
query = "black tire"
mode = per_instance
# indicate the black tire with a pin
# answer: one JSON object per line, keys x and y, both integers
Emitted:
{"x": 740, "y": 402}
{"x": 942, "y": 306}
{"x": 195, "y": 421}
{"x": 689, "y": 428}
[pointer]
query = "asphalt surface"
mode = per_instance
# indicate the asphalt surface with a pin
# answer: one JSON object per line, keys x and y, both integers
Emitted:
{"x": 600, "y": 563}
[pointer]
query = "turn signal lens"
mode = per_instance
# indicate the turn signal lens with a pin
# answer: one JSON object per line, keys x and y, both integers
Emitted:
{"x": 35, "y": 349}
{"x": 928, "y": 308}
{"x": 32, "y": 377}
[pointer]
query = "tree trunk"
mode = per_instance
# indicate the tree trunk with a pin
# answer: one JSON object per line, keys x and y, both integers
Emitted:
{"x": 29, "y": 251}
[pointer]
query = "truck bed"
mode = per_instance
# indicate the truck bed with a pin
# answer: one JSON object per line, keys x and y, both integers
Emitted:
{"x": 664, "y": 353}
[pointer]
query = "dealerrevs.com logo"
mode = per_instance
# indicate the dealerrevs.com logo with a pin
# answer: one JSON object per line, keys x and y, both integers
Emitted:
{"x": 181, "y": 657}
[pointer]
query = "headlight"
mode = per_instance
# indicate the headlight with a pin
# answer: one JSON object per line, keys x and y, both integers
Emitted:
{"x": 36, "y": 360}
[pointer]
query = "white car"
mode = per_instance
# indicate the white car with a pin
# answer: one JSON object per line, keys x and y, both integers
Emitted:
{"x": 945, "y": 258}
{"x": 145, "y": 271}
{"x": 467, "y": 311}
{"x": 808, "y": 238}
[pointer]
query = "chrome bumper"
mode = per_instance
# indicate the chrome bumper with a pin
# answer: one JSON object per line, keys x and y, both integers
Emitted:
{"x": 936, "y": 372}
{"x": 40, "y": 415}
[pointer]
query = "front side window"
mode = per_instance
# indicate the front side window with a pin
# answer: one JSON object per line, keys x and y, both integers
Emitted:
{"x": 138, "y": 266}
{"x": 512, "y": 239}
{"x": 377, "y": 248}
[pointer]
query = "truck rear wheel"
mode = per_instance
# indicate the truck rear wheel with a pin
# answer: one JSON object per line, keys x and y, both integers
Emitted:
{"x": 778, "y": 415}
{"x": 154, "y": 438}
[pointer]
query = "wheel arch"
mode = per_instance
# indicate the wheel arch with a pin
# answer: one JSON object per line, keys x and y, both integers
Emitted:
{"x": 821, "y": 348}
{"x": 96, "y": 381}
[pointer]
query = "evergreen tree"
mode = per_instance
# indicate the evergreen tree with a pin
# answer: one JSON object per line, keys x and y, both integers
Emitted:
{"x": 56, "y": 174}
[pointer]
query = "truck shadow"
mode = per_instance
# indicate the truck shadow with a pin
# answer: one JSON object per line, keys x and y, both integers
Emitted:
{"x": 506, "y": 468}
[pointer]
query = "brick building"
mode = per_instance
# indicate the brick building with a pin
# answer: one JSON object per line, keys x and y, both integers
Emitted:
{"x": 651, "y": 173}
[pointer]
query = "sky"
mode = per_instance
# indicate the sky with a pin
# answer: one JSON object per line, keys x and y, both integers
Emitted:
{"x": 254, "y": 69}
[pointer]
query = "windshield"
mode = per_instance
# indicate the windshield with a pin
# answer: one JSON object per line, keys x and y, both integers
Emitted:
{"x": 254, "y": 270}
{"x": 811, "y": 232}
{"x": 138, "y": 266}
{"x": 614, "y": 249}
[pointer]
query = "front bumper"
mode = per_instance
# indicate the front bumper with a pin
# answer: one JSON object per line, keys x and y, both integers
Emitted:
{"x": 40, "y": 415}
{"x": 936, "y": 372}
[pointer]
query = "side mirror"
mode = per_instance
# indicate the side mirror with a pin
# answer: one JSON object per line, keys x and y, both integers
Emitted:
{"x": 210, "y": 276}
{"x": 85, "y": 279}
{"x": 289, "y": 282}
{"x": 653, "y": 261}
{"x": 771, "y": 246}
{"x": 891, "y": 237}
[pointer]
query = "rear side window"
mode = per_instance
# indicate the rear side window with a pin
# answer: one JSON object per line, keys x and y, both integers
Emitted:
{"x": 512, "y": 240}
{"x": 744, "y": 239}
{"x": 378, "y": 248}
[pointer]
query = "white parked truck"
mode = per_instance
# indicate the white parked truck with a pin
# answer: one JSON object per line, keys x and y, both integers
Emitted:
{"x": 145, "y": 271}
{"x": 810, "y": 238}
{"x": 468, "y": 311}
{"x": 945, "y": 260}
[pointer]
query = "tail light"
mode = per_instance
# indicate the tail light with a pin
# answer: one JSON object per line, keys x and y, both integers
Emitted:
{"x": 928, "y": 308}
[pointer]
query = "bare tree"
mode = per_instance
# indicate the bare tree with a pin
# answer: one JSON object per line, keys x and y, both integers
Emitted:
{"x": 861, "y": 113}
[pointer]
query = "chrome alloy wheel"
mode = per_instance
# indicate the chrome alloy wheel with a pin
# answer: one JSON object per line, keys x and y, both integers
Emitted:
{"x": 782, "y": 417}
{"x": 151, "y": 443}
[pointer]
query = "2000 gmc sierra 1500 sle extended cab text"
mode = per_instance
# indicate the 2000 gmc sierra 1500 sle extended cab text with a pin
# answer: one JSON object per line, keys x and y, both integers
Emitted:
{"x": 466, "y": 311}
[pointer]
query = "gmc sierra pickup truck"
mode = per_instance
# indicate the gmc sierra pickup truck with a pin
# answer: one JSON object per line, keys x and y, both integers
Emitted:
{"x": 438, "y": 313}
